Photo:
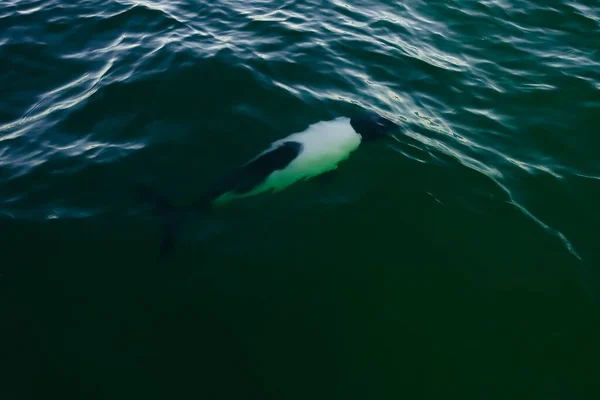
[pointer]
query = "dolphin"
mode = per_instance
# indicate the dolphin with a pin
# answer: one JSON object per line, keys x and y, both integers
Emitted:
{"x": 300, "y": 156}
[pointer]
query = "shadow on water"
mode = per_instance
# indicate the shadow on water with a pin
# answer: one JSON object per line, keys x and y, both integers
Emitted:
{"x": 340, "y": 303}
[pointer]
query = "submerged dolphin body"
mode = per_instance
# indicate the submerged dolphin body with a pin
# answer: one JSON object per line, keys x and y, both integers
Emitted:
{"x": 299, "y": 156}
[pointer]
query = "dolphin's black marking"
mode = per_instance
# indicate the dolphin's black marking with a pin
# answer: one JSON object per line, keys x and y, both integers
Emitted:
{"x": 252, "y": 174}
{"x": 372, "y": 126}
{"x": 241, "y": 181}
{"x": 171, "y": 218}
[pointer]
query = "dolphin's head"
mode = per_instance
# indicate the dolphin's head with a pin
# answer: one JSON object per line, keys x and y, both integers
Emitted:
{"x": 370, "y": 125}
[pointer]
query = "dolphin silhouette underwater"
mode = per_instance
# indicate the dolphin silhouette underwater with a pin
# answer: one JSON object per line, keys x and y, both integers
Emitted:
{"x": 299, "y": 156}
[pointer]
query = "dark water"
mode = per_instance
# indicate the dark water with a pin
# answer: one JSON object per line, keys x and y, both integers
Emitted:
{"x": 459, "y": 261}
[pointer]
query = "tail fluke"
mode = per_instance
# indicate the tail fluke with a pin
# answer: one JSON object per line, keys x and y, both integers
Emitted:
{"x": 171, "y": 219}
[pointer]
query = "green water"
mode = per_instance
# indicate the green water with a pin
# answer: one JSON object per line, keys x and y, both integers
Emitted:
{"x": 459, "y": 260}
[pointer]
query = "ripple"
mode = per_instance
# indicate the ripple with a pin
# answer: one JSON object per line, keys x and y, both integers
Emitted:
{"x": 102, "y": 82}
{"x": 487, "y": 195}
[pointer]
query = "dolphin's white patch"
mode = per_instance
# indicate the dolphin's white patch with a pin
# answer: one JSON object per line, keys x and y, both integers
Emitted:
{"x": 324, "y": 145}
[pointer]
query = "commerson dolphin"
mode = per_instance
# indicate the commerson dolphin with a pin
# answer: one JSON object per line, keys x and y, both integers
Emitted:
{"x": 299, "y": 156}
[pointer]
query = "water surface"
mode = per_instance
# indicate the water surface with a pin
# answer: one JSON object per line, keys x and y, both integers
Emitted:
{"x": 458, "y": 260}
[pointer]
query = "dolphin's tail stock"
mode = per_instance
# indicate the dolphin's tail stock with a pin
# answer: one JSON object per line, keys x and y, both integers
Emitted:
{"x": 171, "y": 218}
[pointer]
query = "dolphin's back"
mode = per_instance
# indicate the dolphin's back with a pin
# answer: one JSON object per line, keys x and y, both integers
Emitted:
{"x": 246, "y": 178}
{"x": 299, "y": 156}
